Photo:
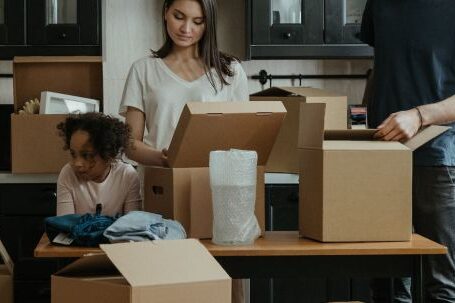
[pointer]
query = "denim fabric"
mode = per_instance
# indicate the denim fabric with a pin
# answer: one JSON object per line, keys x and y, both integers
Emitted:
{"x": 141, "y": 226}
{"x": 434, "y": 218}
{"x": 86, "y": 230}
{"x": 60, "y": 224}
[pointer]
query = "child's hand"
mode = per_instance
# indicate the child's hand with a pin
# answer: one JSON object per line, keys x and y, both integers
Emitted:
{"x": 164, "y": 157}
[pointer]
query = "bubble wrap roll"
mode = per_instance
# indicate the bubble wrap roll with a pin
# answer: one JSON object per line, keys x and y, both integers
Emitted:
{"x": 233, "y": 184}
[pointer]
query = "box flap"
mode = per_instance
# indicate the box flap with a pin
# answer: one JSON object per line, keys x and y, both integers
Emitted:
{"x": 207, "y": 126}
{"x": 350, "y": 134}
{"x": 311, "y": 125}
{"x": 294, "y": 91}
{"x": 6, "y": 258}
{"x": 89, "y": 265}
{"x": 73, "y": 75}
{"x": 425, "y": 135}
{"x": 163, "y": 262}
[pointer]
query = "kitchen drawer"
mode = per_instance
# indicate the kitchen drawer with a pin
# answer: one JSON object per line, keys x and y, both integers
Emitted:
{"x": 27, "y": 269}
{"x": 28, "y": 199}
{"x": 32, "y": 292}
{"x": 20, "y": 234}
{"x": 282, "y": 203}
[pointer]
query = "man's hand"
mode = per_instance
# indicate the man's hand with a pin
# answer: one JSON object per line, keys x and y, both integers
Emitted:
{"x": 399, "y": 126}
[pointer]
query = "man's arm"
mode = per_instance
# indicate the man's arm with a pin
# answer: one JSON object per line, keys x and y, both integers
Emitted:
{"x": 405, "y": 124}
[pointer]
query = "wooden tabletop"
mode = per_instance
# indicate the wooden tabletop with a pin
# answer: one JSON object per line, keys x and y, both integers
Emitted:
{"x": 278, "y": 244}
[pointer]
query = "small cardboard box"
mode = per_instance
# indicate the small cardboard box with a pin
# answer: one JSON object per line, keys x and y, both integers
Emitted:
{"x": 6, "y": 276}
{"x": 35, "y": 144}
{"x": 182, "y": 192}
{"x": 284, "y": 157}
{"x": 354, "y": 188}
{"x": 140, "y": 272}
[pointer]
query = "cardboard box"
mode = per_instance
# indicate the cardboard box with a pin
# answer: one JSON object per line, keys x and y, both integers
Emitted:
{"x": 35, "y": 144}
{"x": 284, "y": 157}
{"x": 138, "y": 272}
{"x": 6, "y": 276}
{"x": 354, "y": 188}
{"x": 182, "y": 192}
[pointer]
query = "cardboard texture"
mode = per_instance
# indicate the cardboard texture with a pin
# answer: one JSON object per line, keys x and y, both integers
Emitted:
{"x": 182, "y": 191}
{"x": 158, "y": 271}
{"x": 354, "y": 188}
{"x": 35, "y": 145}
{"x": 6, "y": 276}
{"x": 284, "y": 157}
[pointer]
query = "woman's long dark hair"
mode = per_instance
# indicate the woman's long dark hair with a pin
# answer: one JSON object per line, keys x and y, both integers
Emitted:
{"x": 207, "y": 46}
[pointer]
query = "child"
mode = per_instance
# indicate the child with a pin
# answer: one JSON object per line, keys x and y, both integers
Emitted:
{"x": 95, "y": 175}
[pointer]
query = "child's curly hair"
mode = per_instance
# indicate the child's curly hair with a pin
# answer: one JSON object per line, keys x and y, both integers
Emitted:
{"x": 108, "y": 135}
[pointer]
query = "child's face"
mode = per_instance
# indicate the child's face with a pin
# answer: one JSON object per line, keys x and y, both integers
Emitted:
{"x": 85, "y": 161}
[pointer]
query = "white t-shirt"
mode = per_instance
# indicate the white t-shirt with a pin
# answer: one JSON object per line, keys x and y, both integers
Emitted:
{"x": 153, "y": 88}
{"x": 119, "y": 193}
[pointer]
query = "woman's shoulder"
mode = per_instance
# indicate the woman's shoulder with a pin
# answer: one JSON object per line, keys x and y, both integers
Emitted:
{"x": 236, "y": 68}
{"x": 145, "y": 62}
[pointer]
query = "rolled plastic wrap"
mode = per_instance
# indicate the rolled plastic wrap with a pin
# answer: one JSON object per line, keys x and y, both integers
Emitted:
{"x": 233, "y": 185}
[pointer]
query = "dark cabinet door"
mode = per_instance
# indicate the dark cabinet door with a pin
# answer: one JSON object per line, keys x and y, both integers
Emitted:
{"x": 287, "y": 22}
{"x": 11, "y": 22}
{"x": 63, "y": 22}
{"x": 342, "y": 21}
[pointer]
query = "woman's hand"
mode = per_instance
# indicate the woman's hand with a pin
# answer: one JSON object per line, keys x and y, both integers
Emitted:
{"x": 400, "y": 126}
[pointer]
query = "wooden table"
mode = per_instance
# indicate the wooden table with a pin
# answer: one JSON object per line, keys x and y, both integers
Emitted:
{"x": 285, "y": 255}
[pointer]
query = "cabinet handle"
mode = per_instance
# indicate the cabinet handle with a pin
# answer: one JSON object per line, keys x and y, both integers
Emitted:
{"x": 287, "y": 35}
{"x": 62, "y": 36}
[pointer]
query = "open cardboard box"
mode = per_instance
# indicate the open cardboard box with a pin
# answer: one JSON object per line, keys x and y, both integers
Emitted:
{"x": 182, "y": 191}
{"x": 284, "y": 157}
{"x": 140, "y": 272}
{"x": 354, "y": 188}
{"x": 6, "y": 276}
{"x": 35, "y": 144}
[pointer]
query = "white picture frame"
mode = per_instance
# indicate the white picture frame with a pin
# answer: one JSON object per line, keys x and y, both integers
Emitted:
{"x": 56, "y": 103}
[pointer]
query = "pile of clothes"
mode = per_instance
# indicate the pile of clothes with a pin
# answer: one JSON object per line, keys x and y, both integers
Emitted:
{"x": 95, "y": 229}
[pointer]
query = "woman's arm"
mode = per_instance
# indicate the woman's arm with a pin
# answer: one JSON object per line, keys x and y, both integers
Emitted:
{"x": 405, "y": 124}
{"x": 139, "y": 151}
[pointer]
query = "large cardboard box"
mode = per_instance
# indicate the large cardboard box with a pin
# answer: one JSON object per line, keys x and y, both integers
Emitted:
{"x": 354, "y": 188}
{"x": 171, "y": 271}
{"x": 182, "y": 191}
{"x": 35, "y": 144}
{"x": 284, "y": 157}
{"x": 6, "y": 276}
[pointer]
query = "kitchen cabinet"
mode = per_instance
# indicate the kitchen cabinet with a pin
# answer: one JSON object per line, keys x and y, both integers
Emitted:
{"x": 23, "y": 208}
{"x": 305, "y": 29}
{"x": 50, "y": 27}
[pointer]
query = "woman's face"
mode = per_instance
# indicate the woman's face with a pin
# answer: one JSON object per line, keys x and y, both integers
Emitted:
{"x": 185, "y": 22}
{"x": 85, "y": 161}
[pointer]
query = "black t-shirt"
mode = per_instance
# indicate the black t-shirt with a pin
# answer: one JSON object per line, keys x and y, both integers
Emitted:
{"x": 414, "y": 63}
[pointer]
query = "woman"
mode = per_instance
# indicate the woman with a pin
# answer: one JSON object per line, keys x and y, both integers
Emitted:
{"x": 188, "y": 67}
